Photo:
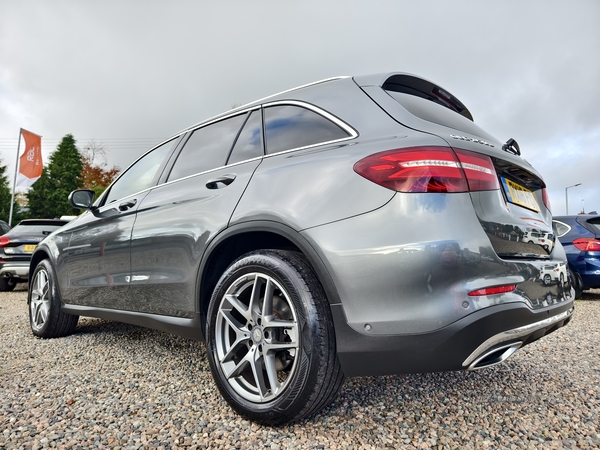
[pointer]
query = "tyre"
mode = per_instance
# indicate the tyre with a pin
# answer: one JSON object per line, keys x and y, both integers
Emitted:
{"x": 7, "y": 284}
{"x": 270, "y": 339}
{"x": 577, "y": 283}
{"x": 45, "y": 315}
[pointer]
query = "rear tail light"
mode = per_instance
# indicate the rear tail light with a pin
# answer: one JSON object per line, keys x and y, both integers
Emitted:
{"x": 493, "y": 290}
{"x": 546, "y": 199}
{"x": 585, "y": 244}
{"x": 429, "y": 169}
{"x": 4, "y": 241}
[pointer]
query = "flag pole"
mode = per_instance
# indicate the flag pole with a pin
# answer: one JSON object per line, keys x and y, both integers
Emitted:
{"x": 12, "y": 200}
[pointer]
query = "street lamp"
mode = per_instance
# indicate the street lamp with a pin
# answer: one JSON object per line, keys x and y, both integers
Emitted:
{"x": 567, "y": 195}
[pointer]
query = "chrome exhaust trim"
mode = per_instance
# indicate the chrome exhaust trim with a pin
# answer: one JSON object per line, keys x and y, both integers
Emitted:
{"x": 511, "y": 335}
{"x": 495, "y": 356}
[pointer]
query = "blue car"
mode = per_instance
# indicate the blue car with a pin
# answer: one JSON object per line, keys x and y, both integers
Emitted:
{"x": 580, "y": 237}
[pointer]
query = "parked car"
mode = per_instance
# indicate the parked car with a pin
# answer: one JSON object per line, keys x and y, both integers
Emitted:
{"x": 4, "y": 227}
{"x": 308, "y": 236}
{"x": 543, "y": 239}
{"x": 580, "y": 237}
{"x": 17, "y": 246}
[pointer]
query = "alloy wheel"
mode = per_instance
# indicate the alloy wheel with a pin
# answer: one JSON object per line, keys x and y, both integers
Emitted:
{"x": 257, "y": 337}
{"x": 40, "y": 300}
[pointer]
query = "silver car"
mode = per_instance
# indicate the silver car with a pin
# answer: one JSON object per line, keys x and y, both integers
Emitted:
{"x": 354, "y": 226}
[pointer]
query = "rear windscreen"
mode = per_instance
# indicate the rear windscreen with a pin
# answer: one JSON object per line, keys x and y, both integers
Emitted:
{"x": 33, "y": 229}
{"x": 593, "y": 225}
{"x": 434, "y": 112}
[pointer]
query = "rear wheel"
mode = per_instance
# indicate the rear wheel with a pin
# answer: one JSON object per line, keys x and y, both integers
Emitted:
{"x": 7, "y": 284}
{"x": 270, "y": 339}
{"x": 45, "y": 315}
{"x": 576, "y": 282}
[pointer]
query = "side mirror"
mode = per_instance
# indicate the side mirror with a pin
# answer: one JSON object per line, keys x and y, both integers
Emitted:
{"x": 82, "y": 199}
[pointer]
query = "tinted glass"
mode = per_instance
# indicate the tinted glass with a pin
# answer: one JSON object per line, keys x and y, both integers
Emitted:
{"x": 288, "y": 127}
{"x": 141, "y": 175}
{"x": 207, "y": 148}
{"x": 594, "y": 225}
{"x": 560, "y": 228}
{"x": 433, "y": 112}
{"x": 249, "y": 144}
{"x": 33, "y": 229}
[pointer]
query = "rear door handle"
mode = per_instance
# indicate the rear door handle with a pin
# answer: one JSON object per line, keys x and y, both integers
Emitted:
{"x": 220, "y": 182}
{"x": 126, "y": 205}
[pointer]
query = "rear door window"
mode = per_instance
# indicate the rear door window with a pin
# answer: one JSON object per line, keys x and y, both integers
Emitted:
{"x": 290, "y": 126}
{"x": 249, "y": 144}
{"x": 207, "y": 148}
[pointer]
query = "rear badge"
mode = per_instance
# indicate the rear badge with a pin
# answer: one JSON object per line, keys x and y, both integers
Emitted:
{"x": 468, "y": 139}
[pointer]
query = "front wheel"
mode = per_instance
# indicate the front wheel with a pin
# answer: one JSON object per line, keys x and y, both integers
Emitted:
{"x": 270, "y": 339}
{"x": 45, "y": 315}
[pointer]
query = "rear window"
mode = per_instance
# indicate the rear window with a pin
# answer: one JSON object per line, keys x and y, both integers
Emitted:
{"x": 434, "y": 112}
{"x": 594, "y": 225}
{"x": 33, "y": 229}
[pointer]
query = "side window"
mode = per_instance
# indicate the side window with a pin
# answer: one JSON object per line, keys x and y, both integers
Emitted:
{"x": 288, "y": 127}
{"x": 560, "y": 228}
{"x": 249, "y": 145}
{"x": 141, "y": 175}
{"x": 207, "y": 148}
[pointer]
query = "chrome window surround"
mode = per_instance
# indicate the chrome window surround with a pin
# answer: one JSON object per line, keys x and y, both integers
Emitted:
{"x": 352, "y": 134}
{"x": 257, "y": 103}
{"x": 564, "y": 224}
{"x": 514, "y": 334}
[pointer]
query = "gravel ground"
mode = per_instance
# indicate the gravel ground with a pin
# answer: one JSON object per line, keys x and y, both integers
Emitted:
{"x": 112, "y": 385}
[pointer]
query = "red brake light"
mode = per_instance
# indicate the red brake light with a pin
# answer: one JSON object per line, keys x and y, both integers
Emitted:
{"x": 583, "y": 244}
{"x": 479, "y": 170}
{"x": 4, "y": 241}
{"x": 429, "y": 169}
{"x": 546, "y": 198}
{"x": 493, "y": 290}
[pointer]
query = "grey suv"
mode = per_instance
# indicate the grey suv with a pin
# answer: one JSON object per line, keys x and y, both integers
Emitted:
{"x": 354, "y": 226}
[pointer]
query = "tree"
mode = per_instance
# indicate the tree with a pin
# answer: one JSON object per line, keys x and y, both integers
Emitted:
{"x": 5, "y": 197}
{"x": 48, "y": 197}
{"x": 95, "y": 174}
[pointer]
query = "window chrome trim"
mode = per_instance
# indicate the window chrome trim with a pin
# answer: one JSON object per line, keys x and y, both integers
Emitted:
{"x": 562, "y": 223}
{"x": 353, "y": 134}
{"x": 255, "y": 104}
{"x": 220, "y": 118}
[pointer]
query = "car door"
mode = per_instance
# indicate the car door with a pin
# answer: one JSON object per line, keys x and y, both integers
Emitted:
{"x": 98, "y": 257}
{"x": 177, "y": 219}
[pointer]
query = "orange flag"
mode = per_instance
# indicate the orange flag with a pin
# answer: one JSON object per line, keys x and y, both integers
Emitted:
{"x": 30, "y": 162}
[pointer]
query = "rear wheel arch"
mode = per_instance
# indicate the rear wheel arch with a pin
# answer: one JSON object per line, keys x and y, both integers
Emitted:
{"x": 38, "y": 256}
{"x": 251, "y": 236}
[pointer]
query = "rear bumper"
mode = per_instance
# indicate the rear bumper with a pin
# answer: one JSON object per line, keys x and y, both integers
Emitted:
{"x": 481, "y": 339}
{"x": 15, "y": 270}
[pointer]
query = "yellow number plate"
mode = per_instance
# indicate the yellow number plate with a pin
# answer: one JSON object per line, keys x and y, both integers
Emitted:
{"x": 520, "y": 195}
{"x": 29, "y": 248}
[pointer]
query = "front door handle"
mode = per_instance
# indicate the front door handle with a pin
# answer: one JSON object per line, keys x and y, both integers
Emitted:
{"x": 219, "y": 182}
{"x": 126, "y": 205}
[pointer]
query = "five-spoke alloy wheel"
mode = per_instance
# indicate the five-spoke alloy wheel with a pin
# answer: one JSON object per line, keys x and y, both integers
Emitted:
{"x": 270, "y": 338}
{"x": 45, "y": 316}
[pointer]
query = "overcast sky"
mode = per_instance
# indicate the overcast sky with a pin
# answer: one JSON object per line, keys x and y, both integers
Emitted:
{"x": 129, "y": 74}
